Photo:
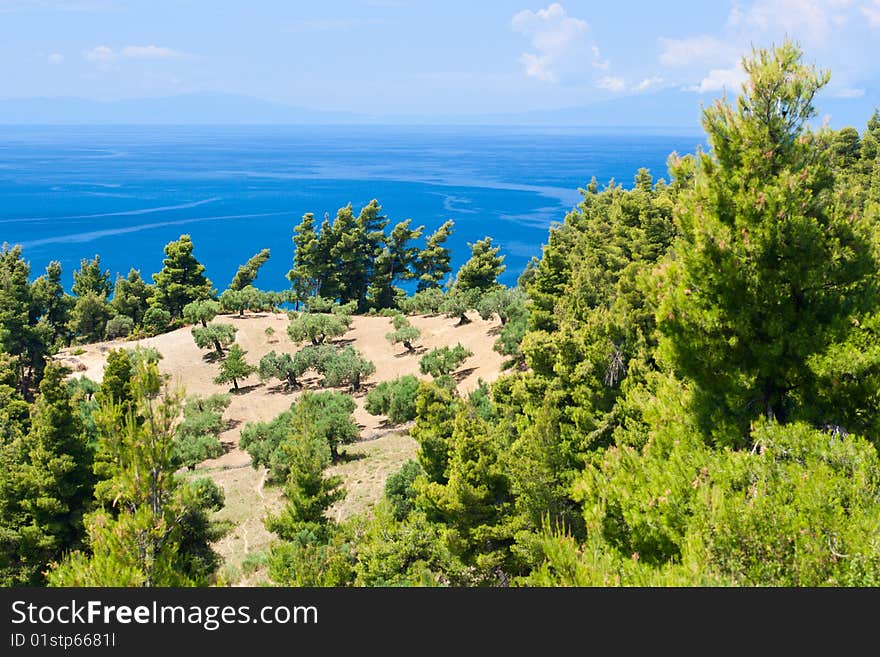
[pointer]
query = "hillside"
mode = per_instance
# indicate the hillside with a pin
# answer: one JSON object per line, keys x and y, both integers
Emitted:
{"x": 382, "y": 450}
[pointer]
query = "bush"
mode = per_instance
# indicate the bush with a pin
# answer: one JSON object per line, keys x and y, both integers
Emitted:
{"x": 426, "y": 302}
{"x": 443, "y": 361}
{"x": 399, "y": 489}
{"x": 156, "y": 320}
{"x": 395, "y": 399}
{"x": 119, "y": 327}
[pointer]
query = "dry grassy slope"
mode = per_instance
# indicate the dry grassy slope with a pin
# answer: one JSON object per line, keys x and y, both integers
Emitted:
{"x": 381, "y": 451}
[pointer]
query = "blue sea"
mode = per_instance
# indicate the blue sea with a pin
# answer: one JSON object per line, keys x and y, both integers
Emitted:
{"x": 68, "y": 193}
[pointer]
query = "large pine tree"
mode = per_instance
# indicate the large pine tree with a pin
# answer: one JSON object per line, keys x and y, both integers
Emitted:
{"x": 769, "y": 272}
{"x": 182, "y": 279}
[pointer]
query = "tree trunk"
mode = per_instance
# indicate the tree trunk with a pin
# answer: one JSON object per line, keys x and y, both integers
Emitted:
{"x": 218, "y": 347}
{"x": 235, "y": 384}
{"x": 408, "y": 345}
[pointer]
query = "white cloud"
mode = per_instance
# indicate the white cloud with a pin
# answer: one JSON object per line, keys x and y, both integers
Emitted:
{"x": 648, "y": 83}
{"x": 100, "y": 54}
{"x": 56, "y": 58}
{"x": 554, "y": 36}
{"x": 603, "y": 64}
{"x": 812, "y": 21}
{"x": 872, "y": 13}
{"x": 848, "y": 92}
{"x": 612, "y": 83}
{"x": 700, "y": 51}
{"x": 105, "y": 54}
{"x": 148, "y": 52}
{"x": 723, "y": 78}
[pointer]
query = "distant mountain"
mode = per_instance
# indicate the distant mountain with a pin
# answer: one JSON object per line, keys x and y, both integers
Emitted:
{"x": 667, "y": 108}
{"x": 194, "y": 108}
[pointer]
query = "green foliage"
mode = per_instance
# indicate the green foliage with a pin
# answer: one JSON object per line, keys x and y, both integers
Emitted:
{"x": 285, "y": 366}
{"x": 769, "y": 272}
{"x": 324, "y": 416}
{"x": 22, "y": 335}
{"x": 424, "y": 302}
{"x": 404, "y": 332}
{"x": 312, "y": 558}
{"x": 89, "y": 279}
{"x": 482, "y": 270}
{"x": 396, "y": 399}
{"x": 436, "y": 407}
{"x": 156, "y": 320}
{"x": 475, "y": 501}
{"x": 201, "y": 311}
{"x": 116, "y": 384}
{"x": 399, "y": 489}
{"x": 153, "y": 533}
{"x": 317, "y": 327}
{"x": 432, "y": 265}
{"x": 214, "y": 335}
{"x": 45, "y": 482}
{"x": 198, "y": 434}
{"x": 247, "y": 298}
{"x": 443, "y": 361}
{"x": 247, "y": 273}
{"x": 409, "y": 553}
{"x": 119, "y": 327}
{"x": 51, "y": 304}
{"x": 354, "y": 259}
{"x": 796, "y": 511}
{"x": 89, "y": 317}
{"x": 505, "y": 302}
{"x": 346, "y": 368}
{"x": 234, "y": 367}
{"x": 131, "y": 296}
{"x": 182, "y": 279}
{"x": 308, "y": 492}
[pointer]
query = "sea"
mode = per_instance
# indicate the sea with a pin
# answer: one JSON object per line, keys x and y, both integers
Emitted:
{"x": 123, "y": 192}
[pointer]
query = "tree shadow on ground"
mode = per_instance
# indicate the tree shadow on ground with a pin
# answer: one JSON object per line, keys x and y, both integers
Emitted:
{"x": 463, "y": 374}
{"x": 243, "y": 390}
{"x": 349, "y": 457}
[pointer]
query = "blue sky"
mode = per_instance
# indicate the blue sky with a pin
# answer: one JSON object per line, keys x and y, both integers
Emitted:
{"x": 415, "y": 56}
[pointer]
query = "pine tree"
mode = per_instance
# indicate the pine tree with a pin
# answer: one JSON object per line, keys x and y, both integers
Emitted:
{"x": 89, "y": 317}
{"x": 234, "y": 367}
{"x": 480, "y": 273}
{"x": 393, "y": 263}
{"x": 768, "y": 273}
{"x": 51, "y": 304}
{"x": 181, "y": 280}
{"x": 432, "y": 264}
{"x": 45, "y": 484}
{"x": 309, "y": 493}
{"x": 308, "y": 272}
{"x": 131, "y": 296}
{"x": 198, "y": 435}
{"x": 247, "y": 273}
{"x": 18, "y": 336}
{"x": 90, "y": 279}
{"x": 139, "y": 538}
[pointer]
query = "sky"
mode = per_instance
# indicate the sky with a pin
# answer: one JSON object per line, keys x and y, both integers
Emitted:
{"x": 421, "y": 56}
